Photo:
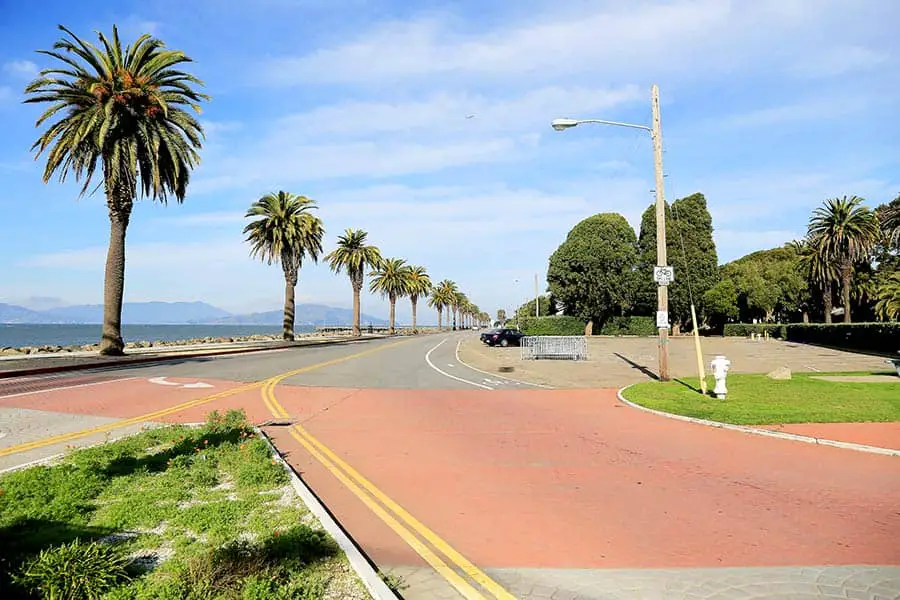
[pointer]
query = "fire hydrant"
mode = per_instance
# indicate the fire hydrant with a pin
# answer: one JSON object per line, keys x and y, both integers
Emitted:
{"x": 719, "y": 367}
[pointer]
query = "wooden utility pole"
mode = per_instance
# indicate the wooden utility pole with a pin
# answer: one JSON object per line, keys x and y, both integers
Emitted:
{"x": 662, "y": 291}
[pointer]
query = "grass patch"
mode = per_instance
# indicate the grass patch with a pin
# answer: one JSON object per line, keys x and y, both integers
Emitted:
{"x": 171, "y": 513}
{"x": 758, "y": 400}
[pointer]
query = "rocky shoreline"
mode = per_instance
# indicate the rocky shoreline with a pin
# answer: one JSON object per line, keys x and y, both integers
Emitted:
{"x": 51, "y": 349}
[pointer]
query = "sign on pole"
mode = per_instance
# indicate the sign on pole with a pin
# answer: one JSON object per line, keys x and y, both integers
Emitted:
{"x": 663, "y": 275}
{"x": 662, "y": 318}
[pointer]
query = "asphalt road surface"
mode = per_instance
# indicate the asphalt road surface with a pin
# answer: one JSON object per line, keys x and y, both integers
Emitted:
{"x": 471, "y": 485}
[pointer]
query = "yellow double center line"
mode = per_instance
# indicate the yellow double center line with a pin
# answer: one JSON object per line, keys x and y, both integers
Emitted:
{"x": 389, "y": 511}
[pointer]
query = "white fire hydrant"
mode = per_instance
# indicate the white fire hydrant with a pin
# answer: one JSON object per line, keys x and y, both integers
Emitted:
{"x": 719, "y": 367}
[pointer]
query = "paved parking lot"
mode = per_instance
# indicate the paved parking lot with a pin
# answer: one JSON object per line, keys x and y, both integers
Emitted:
{"x": 615, "y": 362}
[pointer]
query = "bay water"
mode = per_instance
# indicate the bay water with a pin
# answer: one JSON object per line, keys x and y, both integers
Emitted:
{"x": 17, "y": 336}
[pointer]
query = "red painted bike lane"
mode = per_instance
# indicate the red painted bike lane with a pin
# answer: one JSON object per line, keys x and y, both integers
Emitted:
{"x": 573, "y": 479}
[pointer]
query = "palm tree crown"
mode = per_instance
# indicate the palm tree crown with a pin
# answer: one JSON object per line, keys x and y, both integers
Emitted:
{"x": 390, "y": 278}
{"x": 123, "y": 108}
{"x": 284, "y": 230}
{"x": 352, "y": 256}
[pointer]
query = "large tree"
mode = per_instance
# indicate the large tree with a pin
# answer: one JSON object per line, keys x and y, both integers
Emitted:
{"x": 592, "y": 273}
{"x": 843, "y": 232}
{"x": 124, "y": 111}
{"x": 391, "y": 279}
{"x": 418, "y": 285}
{"x": 353, "y": 256}
{"x": 889, "y": 220}
{"x": 284, "y": 231}
{"x": 690, "y": 249}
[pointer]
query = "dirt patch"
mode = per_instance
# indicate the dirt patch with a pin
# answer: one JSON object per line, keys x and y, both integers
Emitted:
{"x": 615, "y": 362}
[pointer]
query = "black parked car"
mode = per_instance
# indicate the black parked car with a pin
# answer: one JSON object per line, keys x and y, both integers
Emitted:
{"x": 502, "y": 337}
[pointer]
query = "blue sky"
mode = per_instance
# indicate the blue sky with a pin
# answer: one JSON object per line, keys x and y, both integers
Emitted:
{"x": 768, "y": 107}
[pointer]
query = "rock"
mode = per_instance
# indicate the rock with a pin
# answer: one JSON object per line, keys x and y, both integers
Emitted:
{"x": 8, "y": 351}
{"x": 781, "y": 373}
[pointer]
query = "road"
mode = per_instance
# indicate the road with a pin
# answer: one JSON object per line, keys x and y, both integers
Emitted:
{"x": 469, "y": 485}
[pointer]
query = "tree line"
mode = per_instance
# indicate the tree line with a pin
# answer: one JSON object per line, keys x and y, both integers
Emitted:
{"x": 127, "y": 113}
{"x": 847, "y": 263}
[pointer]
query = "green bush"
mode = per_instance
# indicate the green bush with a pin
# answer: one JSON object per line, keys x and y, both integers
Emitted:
{"x": 75, "y": 571}
{"x": 629, "y": 326}
{"x": 776, "y": 330}
{"x": 554, "y": 325}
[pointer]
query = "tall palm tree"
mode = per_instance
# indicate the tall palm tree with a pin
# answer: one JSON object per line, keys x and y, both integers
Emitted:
{"x": 844, "y": 231}
{"x": 352, "y": 256}
{"x": 391, "y": 279}
{"x": 123, "y": 110}
{"x": 459, "y": 299}
{"x": 441, "y": 298}
{"x": 889, "y": 218}
{"x": 285, "y": 231}
{"x": 418, "y": 284}
{"x": 820, "y": 273}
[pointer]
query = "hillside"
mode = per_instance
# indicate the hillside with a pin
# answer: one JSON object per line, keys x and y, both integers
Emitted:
{"x": 306, "y": 314}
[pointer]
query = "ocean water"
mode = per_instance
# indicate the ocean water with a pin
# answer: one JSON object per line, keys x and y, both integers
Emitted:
{"x": 71, "y": 335}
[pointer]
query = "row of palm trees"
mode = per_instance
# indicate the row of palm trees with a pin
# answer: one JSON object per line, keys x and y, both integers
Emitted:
{"x": 284, "y": 230}
{"x": 841, "y": 234}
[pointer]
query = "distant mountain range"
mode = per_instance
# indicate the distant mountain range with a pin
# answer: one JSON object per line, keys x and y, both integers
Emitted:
{"x": 179, "y": 313}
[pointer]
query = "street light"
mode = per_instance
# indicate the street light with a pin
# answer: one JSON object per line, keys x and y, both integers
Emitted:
{"x": 662, "y": 292}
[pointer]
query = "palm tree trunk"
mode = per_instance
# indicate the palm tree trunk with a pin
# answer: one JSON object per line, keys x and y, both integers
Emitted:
{"x": 826, "y": 297}
{"x": 356, "y": 290}
{"x": 414, "y": 300}
{"x": 846, "y": 274}
{"x": 290, "y": 282}
{"x": 440, "y": 318}
{"x": 119, "y": 203}
{"x": 391, "y": 317}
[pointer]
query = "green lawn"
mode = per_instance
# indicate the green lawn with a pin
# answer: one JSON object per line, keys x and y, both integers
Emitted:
{"x": 758, "y": 400}
{"x": 171, "y": 513}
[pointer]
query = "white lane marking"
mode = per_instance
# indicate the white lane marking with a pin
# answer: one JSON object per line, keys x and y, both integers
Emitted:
{"x": 65, "y": 387}
{"x": 445, "y": 374}
{"x": 161, "y": 381}
{"x": 197, "y": 385}
{"x": 812, "y": 368}
{"x": 519, "y": 381}
{"x": 190, "y": 386}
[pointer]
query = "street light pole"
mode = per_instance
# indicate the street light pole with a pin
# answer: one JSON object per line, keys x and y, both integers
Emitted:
{"x": 662, "y": 292}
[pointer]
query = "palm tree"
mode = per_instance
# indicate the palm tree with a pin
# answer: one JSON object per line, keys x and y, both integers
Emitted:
{"x": 843, "y": 232}
{"x": 820, "y": 274}
{"x": 889, "y": 218}
{"x": 353, "y": 256}
{"x": 122, "y": 109}
{"x": 887, "y": 296}
{"x": 441, "y": 298}
{"x": 458, "y": 300}
{"x": 418, "y": 284}
{"x": 391, "y": 279}
{"x": 284, "y": 231}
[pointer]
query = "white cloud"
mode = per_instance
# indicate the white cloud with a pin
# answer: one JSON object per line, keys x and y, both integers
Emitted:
{"x": 838, "y": 60}
{"x": 817, "y": 108}
{"x": 607, "y": 39}
{"x": 21, "y": 68}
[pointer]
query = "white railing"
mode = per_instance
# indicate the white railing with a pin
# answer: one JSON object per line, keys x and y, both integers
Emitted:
{"x": 568, "y": 347}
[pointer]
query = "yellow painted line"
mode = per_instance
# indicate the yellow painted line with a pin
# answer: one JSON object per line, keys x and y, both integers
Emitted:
{"x": 67, "y": 437}
{"x": 318, "y": 449}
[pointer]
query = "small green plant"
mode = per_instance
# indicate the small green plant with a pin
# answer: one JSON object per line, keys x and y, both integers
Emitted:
{"x": 394, "y": 582}
{"x": 74, "y": 571}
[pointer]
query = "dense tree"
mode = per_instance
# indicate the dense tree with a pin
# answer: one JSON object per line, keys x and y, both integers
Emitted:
{"x": 544, "y": 305}
{"x": 418, "y": 285}
{"x": 285, "y": 231}
{"x": 124, "y": 110}
{"x": 887, "y": 297}
{"x": 690, "y": 249}
{"x": 767, "y": 285}
{"x": 592, "y": 271}
{"x": 353, "y": 256}
{"x": 390, "y": 278}
{"x": 844, "y": 232}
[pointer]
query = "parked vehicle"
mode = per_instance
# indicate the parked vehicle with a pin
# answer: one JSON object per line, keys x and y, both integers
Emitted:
{"x": 502, "y": 337}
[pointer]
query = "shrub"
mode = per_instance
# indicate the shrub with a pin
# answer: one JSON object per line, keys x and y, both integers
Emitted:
{"x": 554, "y": 325}
{"x": 776, "y": 330}
{"x": 629, "y": 326}
{"x": 75, "y": 571}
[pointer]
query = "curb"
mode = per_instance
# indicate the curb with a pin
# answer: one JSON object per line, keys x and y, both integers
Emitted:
{"x": 763, "y": 432}
{"x": 358, "y": 561}
{"x": 7, "y": 374}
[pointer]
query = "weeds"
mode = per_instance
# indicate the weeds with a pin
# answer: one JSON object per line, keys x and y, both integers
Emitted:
{"x": 210, "y": 500}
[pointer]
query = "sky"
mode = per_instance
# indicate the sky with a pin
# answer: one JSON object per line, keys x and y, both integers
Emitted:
{"x": 426, "y": 123}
